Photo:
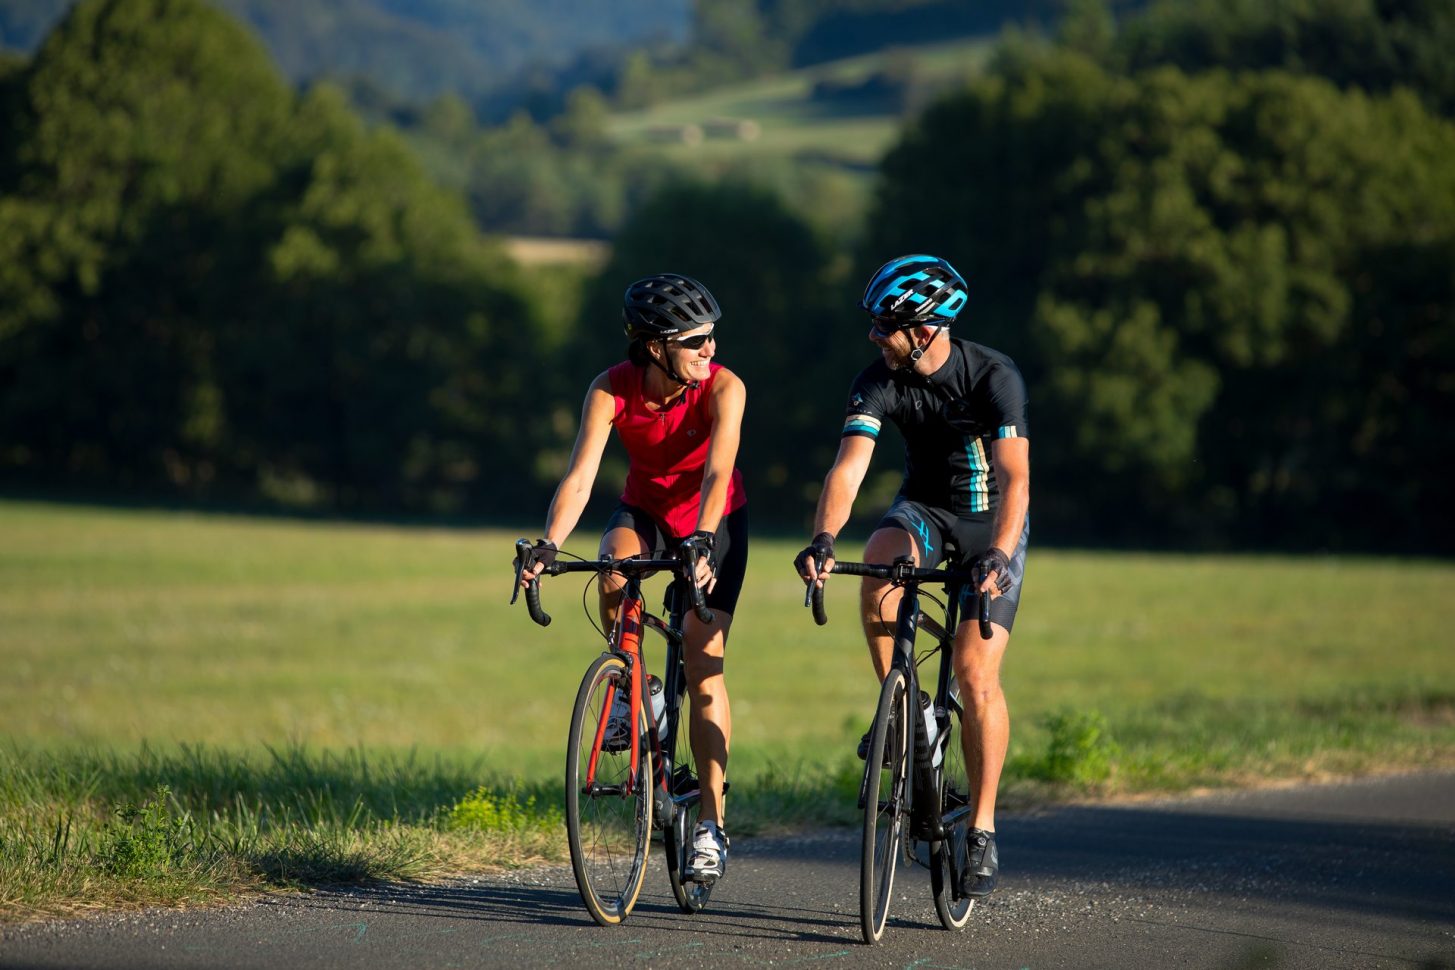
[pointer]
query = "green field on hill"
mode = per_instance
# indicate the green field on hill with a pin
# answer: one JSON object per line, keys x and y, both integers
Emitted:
{"x": 791, "y": 122}
{"x": 326, "y": 700}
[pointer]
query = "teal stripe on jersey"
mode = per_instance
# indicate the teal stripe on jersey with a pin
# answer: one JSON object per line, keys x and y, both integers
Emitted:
{"x": 860, "y": 427}
{"x": 1007, "y": 431}
{"x": 979, "y": 475}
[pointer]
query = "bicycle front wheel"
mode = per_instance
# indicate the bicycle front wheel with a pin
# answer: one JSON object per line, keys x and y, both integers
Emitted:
{"x": 885, "y": 790}
{"x": 608, "y": 807}
{"x": 951, "y": 857}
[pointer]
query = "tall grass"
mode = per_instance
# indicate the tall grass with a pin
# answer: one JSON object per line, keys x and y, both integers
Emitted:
{"x": 196, "y": 706}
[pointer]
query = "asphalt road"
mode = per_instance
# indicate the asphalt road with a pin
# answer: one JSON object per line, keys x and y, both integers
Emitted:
{"x": 1350, "y": 875}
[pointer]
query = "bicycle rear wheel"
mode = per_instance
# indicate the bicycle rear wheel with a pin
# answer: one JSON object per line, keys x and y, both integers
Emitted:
{"x": 885, "y": 789}
{"x": 949, "y": 858}
{"x": 608, "y": 815}
{"x": 677, "y": 837}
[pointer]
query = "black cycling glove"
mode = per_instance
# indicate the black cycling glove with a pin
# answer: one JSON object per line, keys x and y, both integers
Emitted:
{"x": 993, "y": 560}
{"x": 543, "y": 552}
{"x": 705, "y": 545}
{"x": 821, "y": 549}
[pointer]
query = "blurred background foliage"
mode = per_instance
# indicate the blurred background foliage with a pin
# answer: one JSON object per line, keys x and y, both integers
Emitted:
{"x": 259, "y": 253}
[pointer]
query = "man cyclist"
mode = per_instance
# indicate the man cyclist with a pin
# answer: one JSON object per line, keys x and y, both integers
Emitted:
{"x": 961, "y": 409}
{"x": 679, "y": 415}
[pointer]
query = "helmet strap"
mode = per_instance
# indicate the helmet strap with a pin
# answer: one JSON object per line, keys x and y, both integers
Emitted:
{"x": 671, "y": 371}
{"x": 919, "y": 352}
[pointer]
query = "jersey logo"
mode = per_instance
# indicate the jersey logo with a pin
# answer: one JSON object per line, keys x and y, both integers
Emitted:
{"x": 923, "y": 529}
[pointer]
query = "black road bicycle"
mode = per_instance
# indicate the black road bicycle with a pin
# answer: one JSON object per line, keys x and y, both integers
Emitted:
{"x": 626, "y": 769}
{"x": 914, "y": 790}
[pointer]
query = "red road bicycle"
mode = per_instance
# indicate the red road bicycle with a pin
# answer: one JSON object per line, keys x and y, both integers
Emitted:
{"x": 627, "y": 769}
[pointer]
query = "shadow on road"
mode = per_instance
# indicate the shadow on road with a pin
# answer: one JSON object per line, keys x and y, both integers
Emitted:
{"x": 560, "y": 905}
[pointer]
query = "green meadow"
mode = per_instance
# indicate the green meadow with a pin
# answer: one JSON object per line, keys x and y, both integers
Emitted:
{"x": 196, "y": 706}
{"x": 790, "y": 121}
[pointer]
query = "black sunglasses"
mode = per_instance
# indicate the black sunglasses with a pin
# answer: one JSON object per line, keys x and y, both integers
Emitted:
{"x": 695, "y": 341}
{"x": 886, "y": 327}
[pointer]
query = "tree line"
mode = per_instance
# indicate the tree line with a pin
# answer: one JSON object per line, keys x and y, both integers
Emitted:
{"x": 1231, "y": 292}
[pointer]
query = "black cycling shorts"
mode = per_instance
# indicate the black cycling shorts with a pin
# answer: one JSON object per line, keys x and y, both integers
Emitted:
{"x": 731, "y": 550}
{"x": 939, "y": 536}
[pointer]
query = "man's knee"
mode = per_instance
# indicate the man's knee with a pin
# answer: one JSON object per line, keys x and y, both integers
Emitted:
{"x": 888, "y": 544}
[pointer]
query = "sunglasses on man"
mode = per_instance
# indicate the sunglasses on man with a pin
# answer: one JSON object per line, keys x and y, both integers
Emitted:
{"x": 695, "y": 341}
{"x": 886, "y": 327}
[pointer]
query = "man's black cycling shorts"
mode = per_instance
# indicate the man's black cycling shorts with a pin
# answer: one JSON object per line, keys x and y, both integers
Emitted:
{"x": 939, "y": 536}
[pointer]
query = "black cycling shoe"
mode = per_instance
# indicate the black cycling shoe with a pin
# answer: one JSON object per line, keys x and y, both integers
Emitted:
{"x": 980, "y": 875}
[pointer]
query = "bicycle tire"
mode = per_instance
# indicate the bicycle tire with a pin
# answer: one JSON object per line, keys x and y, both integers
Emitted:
{"x": 609, "y": 833}
{"x": 886, "y": 785}
{"x": 950, "y": 857}
{"x": 677, "y": 838}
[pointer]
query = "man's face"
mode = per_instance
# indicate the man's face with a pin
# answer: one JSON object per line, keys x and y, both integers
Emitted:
{"x": 894, "y": 344}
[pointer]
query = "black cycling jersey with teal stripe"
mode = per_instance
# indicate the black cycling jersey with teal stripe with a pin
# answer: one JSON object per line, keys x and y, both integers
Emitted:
{"x": 948, "y": 419}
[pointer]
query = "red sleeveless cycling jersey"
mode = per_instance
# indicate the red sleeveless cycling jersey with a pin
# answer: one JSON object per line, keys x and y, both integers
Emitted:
{"x": 668, "y": 450}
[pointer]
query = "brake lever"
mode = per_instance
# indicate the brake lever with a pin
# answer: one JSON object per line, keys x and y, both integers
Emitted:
{"x": 522, "y": 555}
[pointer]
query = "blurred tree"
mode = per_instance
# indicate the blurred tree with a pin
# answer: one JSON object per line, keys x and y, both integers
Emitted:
{"x": 1087, "y": 27}
{"x": 562, "y": 179}
{"x": 582, "y": 126}
{"x": 1177, "y": 263}
{"x": 1376, "y": 45}
{"x": 448, "y": 118}
{"x": 141, "y": 125}
{"x": 734, "y": 30}
{"x": 376, "y": 328}
{"x": 202, "y": 278}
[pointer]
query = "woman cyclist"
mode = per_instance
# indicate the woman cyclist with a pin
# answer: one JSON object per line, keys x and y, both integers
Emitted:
{"x": 679, "y": 416}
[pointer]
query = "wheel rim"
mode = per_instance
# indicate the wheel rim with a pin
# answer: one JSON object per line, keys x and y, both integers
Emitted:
{"x": 609, "y": 831}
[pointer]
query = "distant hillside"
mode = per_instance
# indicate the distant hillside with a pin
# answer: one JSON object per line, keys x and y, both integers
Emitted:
{"x": 843, "y": 112}
{"x": 414, "y": 48}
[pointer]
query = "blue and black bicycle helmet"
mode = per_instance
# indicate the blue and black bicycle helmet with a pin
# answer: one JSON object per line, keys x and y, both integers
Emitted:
{"x": 914, "y": 290}
{"x": 667, "y": 304}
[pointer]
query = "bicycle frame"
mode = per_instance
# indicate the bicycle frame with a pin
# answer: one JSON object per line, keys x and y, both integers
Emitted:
{"x": 909, "y": 620}
{"x": 625, "y": 640}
